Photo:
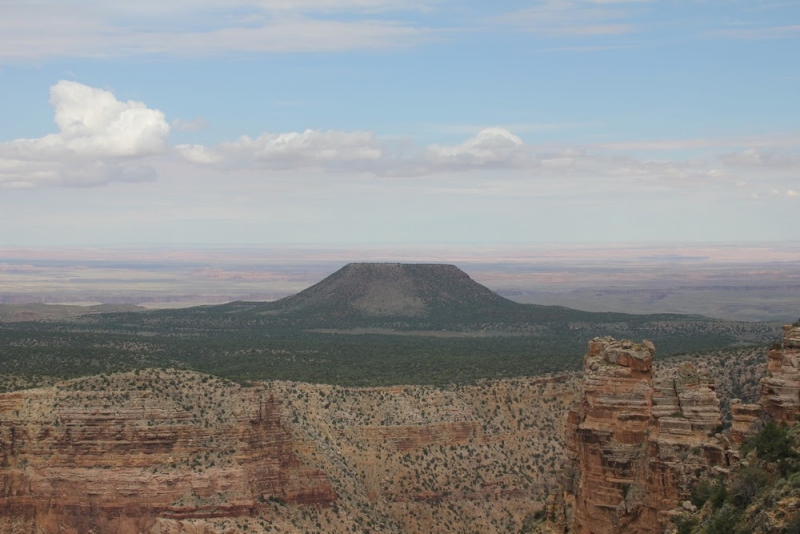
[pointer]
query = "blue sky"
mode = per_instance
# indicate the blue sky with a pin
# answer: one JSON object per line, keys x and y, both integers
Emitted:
{"x": 378, "y": 121}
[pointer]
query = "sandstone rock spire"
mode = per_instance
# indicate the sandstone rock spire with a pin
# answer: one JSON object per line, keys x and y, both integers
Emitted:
{"x": 780, "y": 390}
{"x": 635, "y": 443}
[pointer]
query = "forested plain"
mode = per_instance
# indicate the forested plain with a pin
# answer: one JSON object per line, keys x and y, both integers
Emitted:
{"x": 260, "y": 341}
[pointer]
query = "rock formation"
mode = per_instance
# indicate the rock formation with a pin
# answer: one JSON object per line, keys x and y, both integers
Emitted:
{"x": 780, "y": 390}
{"x": 746, "y": 420}
{"x": 606, "y": 431}
{"x": 71, "y": 465}
{"x": 176, "y": 452}
{"x": 635, "y": 444}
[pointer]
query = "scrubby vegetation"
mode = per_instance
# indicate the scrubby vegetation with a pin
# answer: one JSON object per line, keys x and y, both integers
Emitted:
{"x": 365, "y": 325}
{"x": 247, "y": 342}
{"x": 760, "y": 495}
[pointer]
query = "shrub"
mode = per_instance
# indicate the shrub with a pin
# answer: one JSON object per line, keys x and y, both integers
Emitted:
{"x": 772, "y": 444}
{"x": 727, "y": 520}
{"x": 685, "y": 524}
{"x": 793, "y": 526}
{"x": 747, "y": 485}
{"x": 719, "y": 494}
{"x": 701, "y": 492}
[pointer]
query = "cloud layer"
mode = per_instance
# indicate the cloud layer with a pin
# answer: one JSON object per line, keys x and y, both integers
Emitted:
{"x": 100, "y": 139}
{"x": 289, "y": 150}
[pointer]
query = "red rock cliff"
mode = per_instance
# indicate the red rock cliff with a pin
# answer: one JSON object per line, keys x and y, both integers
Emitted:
{"x": 635, "y": 444}
{"x": 69, "y": 465}
{"x": 780, "y": 390}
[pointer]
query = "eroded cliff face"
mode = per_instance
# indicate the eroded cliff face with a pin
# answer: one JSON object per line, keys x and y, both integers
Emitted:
{"x": 780, "y": 390}
{"x": 76, "y": 460}
{"x": 635, "y": 443}
{"x": 606, "y": 432}
{"x": 174, "y": 452}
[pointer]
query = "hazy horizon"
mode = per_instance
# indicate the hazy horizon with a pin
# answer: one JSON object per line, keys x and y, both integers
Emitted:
{"x": 757, "y": 282}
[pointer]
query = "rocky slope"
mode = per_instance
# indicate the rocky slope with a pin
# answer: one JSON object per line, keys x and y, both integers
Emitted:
{"x": 761, "y": 493}
{"x": 178, "y": 452}
{"x": 780, "y": 389}
{"x": 645, "y": 451}
{"x": 395, "y": 289}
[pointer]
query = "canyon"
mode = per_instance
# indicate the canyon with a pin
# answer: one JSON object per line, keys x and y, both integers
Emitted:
{"x": 614, "y": 449}
{"x": 638, "y": 442}
{"x": 170, "y": 451}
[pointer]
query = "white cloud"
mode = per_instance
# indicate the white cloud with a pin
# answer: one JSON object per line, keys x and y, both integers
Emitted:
{"x": 786, "y": 140}
{"x": 591, "y": 168}
{"x": 100, "y": 139}
{"x": 311, "y": 148}
{"x": 311, "y": 145}
{"x": 198, "y": 154}
{"x": 673, "y": 174}
{"x": 361, "y": 151}
{"x": 491, "y": 146}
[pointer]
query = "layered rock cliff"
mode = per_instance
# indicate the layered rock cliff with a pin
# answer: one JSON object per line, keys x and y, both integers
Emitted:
{"x": 635, "y": 443}
{"x": 780, "y": 390}
{"x": 757, "y": 495}
{"x": 175, "y": 452}
{"x": 73, "y": 464}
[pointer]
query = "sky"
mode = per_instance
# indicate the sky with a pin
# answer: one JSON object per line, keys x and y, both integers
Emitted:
{"x": 381, "y": 122}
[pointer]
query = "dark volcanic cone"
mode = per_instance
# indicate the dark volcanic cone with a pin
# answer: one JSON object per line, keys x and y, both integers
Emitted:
{"x": 395, "y": 290}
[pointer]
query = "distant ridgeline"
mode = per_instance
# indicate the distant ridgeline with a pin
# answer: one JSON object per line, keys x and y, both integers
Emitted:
{"x": 366, "y": 324}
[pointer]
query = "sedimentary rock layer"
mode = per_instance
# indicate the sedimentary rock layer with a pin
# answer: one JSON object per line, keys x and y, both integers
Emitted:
{"x": 69, "y": 463}
{"x": 175, "y": 452}
{"x": 635, "y": 444}
{"x": 780, "y": 390}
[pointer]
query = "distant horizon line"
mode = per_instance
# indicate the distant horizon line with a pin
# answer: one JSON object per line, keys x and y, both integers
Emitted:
{"x": 342, "y": 245}
{"x": 626, "y": 252}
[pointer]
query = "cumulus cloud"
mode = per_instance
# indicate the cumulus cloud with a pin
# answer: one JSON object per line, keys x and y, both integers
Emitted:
{"x": 491, "y": 146}
{"x": 198, "y": 154}
{"x": 100, "y": 139}
{"x": 361, "y": 151}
